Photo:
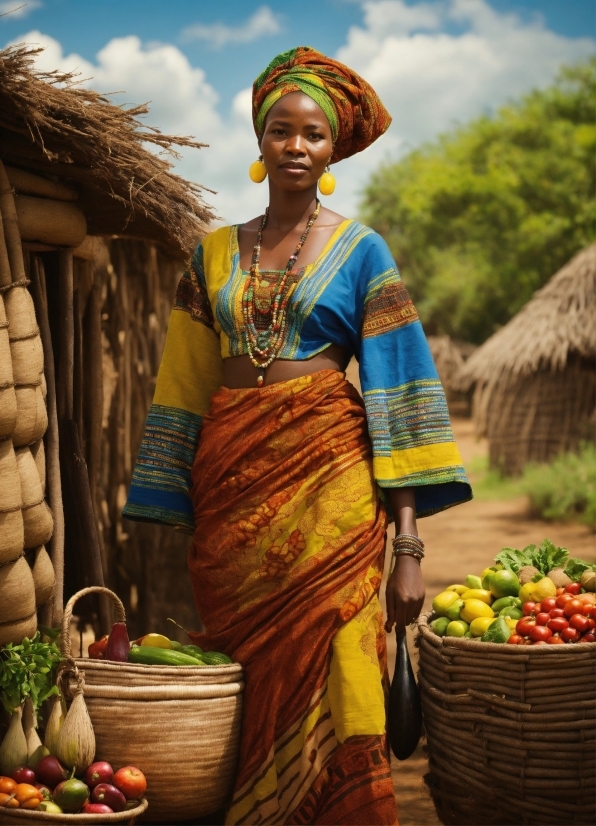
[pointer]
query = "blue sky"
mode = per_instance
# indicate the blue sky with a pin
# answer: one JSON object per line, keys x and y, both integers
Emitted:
{"x": 435, "y": 63}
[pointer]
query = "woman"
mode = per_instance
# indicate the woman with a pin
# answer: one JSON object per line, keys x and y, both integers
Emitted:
{"x": 292, "y": 475}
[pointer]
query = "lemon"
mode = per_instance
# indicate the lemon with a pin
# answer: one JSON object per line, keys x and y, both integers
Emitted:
{"x": 486, "y": 575}
{"x": 474, "y": 608}
{"x": 478, "y": 593}
{"x": 439, "y": 626}
{"x": 511, "y": 622}
{"x": 442, "y": 602}
{"x": 526, "y": 591}
{"x": 457, "y": 628}
{"x": 453, "y": 612}
{"x": 480, "y": 626}
{"x": 459, "y": 589}
{"x": 504, "y": 584}
{"x": 156, "y": 641}
{"x": 543, "y": 589}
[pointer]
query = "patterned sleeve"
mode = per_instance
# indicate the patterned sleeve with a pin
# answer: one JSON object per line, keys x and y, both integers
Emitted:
{"x": 405, "y": 404}
{"x": 190, "y": 371}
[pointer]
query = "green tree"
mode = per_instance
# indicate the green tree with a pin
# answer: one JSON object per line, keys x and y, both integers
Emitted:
{"x": 481, "y": 218}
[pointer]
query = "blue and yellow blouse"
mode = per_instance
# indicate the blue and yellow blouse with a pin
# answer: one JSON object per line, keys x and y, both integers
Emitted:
{"x": 351, "y": 296}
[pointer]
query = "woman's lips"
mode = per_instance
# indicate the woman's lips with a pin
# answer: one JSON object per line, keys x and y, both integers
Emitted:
{"x": 294, "y": 169}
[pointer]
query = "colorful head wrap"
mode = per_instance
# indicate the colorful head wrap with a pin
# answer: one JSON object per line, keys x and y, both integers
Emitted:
{"x": 354, "y": 111}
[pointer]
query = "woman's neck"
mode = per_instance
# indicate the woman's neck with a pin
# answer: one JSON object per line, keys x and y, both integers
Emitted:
{"x": 287, "y": 210}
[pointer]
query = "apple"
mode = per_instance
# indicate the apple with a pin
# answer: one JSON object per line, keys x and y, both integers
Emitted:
{"x": 97, "y": 809}
{"x": 110, "y": 795}
{"x": 50, "y": 771}
{"x": 100, "y": 772}
{"x": 22, "y": 774}
{"x": 131, "y": 782}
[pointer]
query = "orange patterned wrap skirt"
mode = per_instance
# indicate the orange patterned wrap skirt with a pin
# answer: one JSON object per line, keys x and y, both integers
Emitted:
{"x": 286, "y": 565}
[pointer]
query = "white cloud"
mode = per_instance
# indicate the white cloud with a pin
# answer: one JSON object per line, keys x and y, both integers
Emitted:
{"x": 18, "y": 10}
{"x": 428, "y": 79}
{"x": 263, "y": 22}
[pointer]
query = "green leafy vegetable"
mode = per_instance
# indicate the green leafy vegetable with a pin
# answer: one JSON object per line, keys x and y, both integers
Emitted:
{"x": 547, "y": 556}
{"x": 27, "y": 670}
{"x": 514, "y": 560}
{"x": 575, "y": 568}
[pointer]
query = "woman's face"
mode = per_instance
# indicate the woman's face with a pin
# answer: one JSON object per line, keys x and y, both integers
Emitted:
{"x": 296, "y": 144}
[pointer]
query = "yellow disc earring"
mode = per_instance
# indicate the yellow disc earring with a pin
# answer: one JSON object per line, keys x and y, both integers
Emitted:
{"x": 257, "y": 171}
{"x": 327, "y": 182}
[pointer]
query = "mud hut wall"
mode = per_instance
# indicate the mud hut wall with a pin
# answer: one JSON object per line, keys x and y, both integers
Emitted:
{"x": 535, "y": 418}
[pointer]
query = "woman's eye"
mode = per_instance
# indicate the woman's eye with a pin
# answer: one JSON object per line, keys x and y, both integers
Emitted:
{"x": 315, "y": 136}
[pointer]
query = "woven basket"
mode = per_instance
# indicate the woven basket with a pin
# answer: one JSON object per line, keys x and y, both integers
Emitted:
{"x": 44, "y": 577}
{"x": 32, "y": 416}
{"x": 8, "y": 410}
{"x": 27, "y": 359}
{"x": 20, "y": 313}
{"x": 17, "y": 591}
{"x": 179, "y": 725}
{"x": 39, "y": 454}
{"x": 510, "y": 730}
{"x": 37, "y": 516}
{"x": 23, "y": 816}
{"x": 11, "y": 518}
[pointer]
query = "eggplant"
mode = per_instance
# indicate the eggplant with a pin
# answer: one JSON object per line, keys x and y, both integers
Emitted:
{"x": 118, "y": 646}
{"x": 404, "y": 722}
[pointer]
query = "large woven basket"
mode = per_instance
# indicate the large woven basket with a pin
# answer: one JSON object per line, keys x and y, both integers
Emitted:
{"x": 510, "y": 730}
{"x": 23, "y": 816}
{"x": 180, "y": 725}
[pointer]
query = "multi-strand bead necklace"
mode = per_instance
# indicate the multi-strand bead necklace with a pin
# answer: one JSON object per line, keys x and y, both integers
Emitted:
{"x": 264, "y": 345}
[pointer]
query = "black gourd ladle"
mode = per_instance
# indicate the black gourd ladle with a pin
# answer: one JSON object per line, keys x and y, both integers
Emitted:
{"x": 404, "y": 722}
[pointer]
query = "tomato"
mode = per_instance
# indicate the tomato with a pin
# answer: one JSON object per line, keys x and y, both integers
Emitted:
{"x": 573, "y": 606}
{"x": 539, "y": 642}
{"x": 542, "y": 618}
{"x": 579, "y": 622}
{"x": 574, "y": 588}
{"x": 570, "y": 634}
{"x": 540, "y": 632}
{"x": 593, "y": 613}
{"x": 7, "y": 785}
{"x": 557, "y": 624}
{"x": 97, "y": 649}
{"x": 556, "y": 612}
{"x": 524, "y": 626}
{"x": 562, "y": 600}
{"x": 554, "y": 640}
{"x": 588, "y": 638}
{"x": 559, "y": 591}
{"x": 548, "y": 604}
{"x": 527, "y": 608}
{"x": 586, "y": 609}
{"x": 515, "y": 639}
{"x": 591, "y": 624}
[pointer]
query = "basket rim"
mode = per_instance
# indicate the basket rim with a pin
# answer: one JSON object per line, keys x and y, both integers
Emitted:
{"x": 227, "y": 669}
{"x": 115, "y": 817}
{"x": 422, "y": 625}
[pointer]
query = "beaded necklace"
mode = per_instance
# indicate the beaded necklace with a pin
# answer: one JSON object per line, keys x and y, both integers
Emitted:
{"x": 264, "y": 346}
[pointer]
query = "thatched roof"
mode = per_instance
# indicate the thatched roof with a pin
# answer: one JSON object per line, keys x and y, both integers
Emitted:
{"x": 50, "y": 124}
{"x": 556, "y": 323}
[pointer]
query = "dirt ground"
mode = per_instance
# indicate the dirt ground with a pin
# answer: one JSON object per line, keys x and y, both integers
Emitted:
{"x": 463, "y": 541}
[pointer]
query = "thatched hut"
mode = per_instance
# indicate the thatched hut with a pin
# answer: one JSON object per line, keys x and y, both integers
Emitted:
{"x": 535, "y": 380}
{"x": 449, "y": 357}
{"x": 94, "y": 235}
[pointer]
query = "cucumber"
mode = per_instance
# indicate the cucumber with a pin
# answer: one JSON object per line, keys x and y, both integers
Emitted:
{"x": 177, "y": 646}
{"x": 215, "y": 658}
{"x": 146, "y": 655}
{"x": 192, "y": 651}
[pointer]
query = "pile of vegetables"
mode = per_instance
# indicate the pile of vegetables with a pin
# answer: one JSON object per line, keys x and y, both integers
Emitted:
{"x": 50, "y": 788}
{"x": 536, "y": 596}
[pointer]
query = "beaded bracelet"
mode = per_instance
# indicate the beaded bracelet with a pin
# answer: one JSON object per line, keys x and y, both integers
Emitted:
{"x": 416, "y": 556}
{"x": 409, "y": 544}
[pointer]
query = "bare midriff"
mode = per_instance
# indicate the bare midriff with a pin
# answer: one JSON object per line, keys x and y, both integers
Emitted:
{"x": 239, "y": 371}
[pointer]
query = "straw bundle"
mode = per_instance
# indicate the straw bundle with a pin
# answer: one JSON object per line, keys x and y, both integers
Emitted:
{"x": 20, "y": 313}
{"x": 10, "y": 488}
{"x": 39, "y": 454}
{"x": 510, "y": 730}
{"x": 12, "y": 535}
{"x": 59, "y": 223}
{"x": 27, "y": 360}
{"x": 8, "y": 401}
{"x": 194, "y": 716}
{"x": 28, "y": 184}
{"x": 32, "y": 416}
{"x": 37, "y": 516}
{"x": 44, "y": 577}
{"x": 17, "y": 592}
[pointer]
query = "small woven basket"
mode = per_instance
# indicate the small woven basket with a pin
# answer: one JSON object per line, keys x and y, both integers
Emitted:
{"x": 180, "y": 725}
{"x": 31, "y": 816}
{"x": 510, "y": 730}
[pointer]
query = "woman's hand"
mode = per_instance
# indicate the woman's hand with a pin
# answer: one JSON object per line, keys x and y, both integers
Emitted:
{"x": 405, "y": 592}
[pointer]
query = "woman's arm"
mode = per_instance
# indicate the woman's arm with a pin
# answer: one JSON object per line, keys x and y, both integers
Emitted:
{"x": 405, "y": 586}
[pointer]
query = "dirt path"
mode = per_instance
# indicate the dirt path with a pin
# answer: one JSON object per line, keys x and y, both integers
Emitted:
{"x": 463, "y": 541}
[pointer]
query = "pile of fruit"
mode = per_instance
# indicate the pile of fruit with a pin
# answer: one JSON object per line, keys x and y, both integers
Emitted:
{"x": 50, "y": 789}
{"x": 537, "y": 596}
{"x": 151, "y": 649}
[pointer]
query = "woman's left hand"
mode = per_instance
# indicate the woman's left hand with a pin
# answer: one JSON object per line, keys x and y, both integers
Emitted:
{"x": 405, "y": 592}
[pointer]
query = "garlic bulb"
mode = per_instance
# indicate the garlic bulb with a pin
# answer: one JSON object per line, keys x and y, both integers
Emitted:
{"x": 13, "y": 751}
{"x": 76, "y": 742}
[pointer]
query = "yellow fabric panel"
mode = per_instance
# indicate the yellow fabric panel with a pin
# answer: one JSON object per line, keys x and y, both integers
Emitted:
{"x": 356, "y": 696}
{"x": 217, "y": 264}
{"x": 416, "y": 459}
{"x": 262, "y": 789}
{"x": 191, "y": 368}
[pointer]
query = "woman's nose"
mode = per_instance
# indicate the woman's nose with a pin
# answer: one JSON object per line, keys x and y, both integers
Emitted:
{"x": 295, "y": 145}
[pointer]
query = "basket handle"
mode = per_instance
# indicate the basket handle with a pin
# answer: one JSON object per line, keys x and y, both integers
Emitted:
{"x": 120, "y": 615}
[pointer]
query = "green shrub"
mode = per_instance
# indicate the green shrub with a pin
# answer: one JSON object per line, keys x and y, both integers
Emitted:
{"x": 566, "y": 488}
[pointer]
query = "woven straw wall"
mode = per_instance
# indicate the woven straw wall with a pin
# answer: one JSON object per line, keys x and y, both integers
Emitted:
{"x": 26, "y": 521}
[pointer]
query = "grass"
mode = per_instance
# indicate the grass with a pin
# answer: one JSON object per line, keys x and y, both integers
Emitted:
{"x": 564, "y": 490}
